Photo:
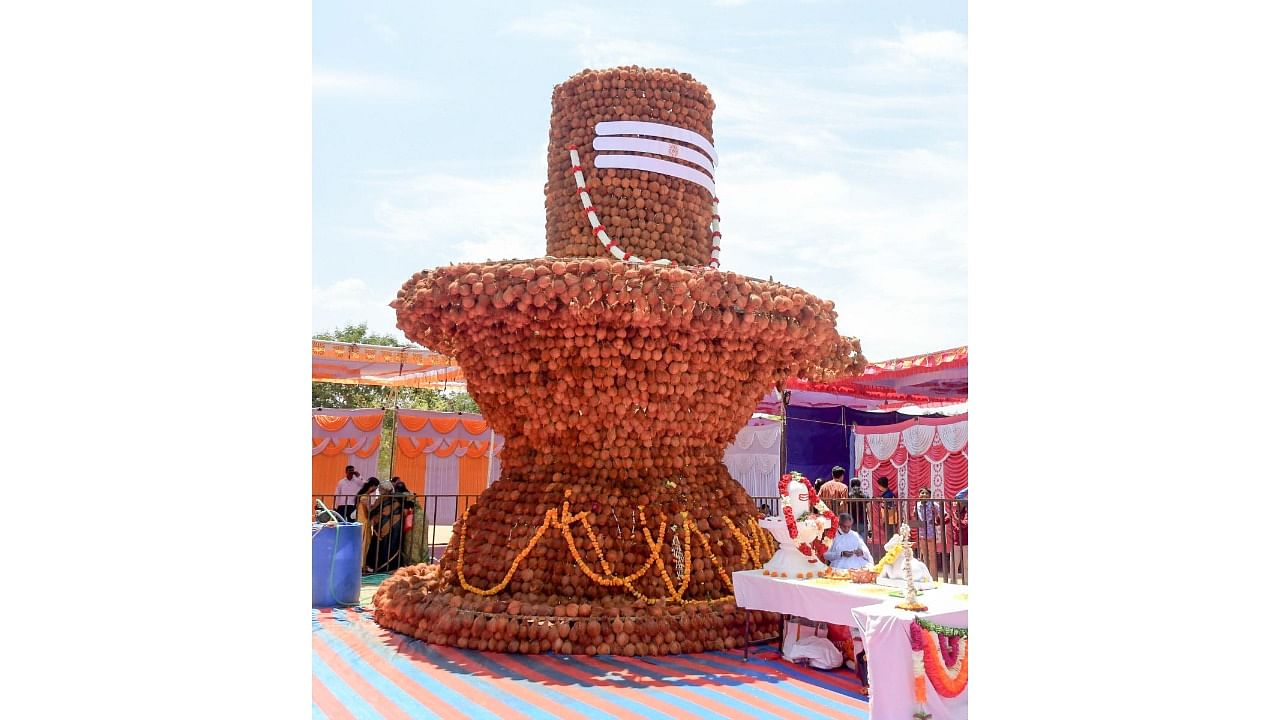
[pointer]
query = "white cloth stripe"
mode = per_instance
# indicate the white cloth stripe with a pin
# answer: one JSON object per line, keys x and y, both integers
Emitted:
{"x": 655, "y": 147}
{"x": 671, "y": 132}
{"x": 664, "y": 167}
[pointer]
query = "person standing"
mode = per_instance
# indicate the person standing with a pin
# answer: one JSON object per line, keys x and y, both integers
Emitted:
{"x": 959, "y": 523}
{"x": 858, "y": 506}
{"x": 344, "y": 500}
{"x": 930, "y": 517}
{"x": 835, "y": 490}
{"x": 386, "y": 523}
{"x": 885, "y": 514}
{"x": 364, "y": 504}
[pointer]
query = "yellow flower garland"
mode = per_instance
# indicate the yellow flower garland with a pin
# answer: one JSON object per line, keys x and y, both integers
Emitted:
{"x": 752, "y": 548}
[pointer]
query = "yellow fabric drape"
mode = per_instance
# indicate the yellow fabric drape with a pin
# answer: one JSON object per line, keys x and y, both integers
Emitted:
{"x": 473, "y": 472}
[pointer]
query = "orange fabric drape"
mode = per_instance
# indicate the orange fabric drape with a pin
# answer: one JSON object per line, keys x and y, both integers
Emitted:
{"x": 330, "y": 423}
{"x": 367, "y": 422}
{"x": 411, "y": 423}
{"x": 408, "y": 447}
{"x": 443, "y": 425}
{"x": 473, "y": 472}
{"x": 413, "y": 471}
{"x": 337, "y": 445}
{"x": 475, "y": 427}
{"x": 372, "y": 447}
{"x": 326, "y": 471}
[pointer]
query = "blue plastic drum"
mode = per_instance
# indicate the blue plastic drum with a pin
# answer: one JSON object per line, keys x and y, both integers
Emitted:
{"x": 335, "y": 564}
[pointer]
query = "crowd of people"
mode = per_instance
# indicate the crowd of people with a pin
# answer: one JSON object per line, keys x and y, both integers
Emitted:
{"x": 385, "y": 509}
{"x": 939, "y": 529}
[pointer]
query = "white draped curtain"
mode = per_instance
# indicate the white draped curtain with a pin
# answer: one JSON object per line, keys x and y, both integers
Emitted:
{"x": 752, "y": 458}
{"x": 927, "y": 452}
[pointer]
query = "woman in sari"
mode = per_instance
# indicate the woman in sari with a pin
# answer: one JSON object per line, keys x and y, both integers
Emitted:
{"x": 386, "y": 524}
{"x": 364, "y": 501}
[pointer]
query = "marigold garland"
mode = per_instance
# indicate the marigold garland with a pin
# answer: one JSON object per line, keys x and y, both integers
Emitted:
{"x": 941, "y": 657}
{"x": 817, "y": 547}
{"x": 752, "y": 548}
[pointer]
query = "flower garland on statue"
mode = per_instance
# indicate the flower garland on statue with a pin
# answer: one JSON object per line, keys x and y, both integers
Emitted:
{"x": 817, "y": 548}
{"x": 888, "y": 559}
{"x": 941, "y": 654}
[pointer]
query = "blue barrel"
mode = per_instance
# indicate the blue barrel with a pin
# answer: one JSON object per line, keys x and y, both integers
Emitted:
{"x": 335, "y": 564}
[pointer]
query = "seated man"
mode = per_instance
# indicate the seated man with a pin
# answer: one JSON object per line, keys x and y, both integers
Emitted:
{"x": 848, "y": 551}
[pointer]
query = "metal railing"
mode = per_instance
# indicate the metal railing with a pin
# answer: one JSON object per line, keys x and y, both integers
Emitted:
{"x": 406, "y": 529}
{"x": 423, "y": 529}
{"x": 939, "y": 527}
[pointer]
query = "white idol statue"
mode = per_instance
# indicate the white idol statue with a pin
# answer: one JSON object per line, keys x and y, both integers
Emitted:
{"x": 895, "y": 573}
{"x": 811, "y": 524}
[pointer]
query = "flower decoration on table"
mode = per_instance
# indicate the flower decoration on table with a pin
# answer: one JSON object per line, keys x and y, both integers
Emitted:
{"x": 940, "y": 654}
{"x": 910, "y": 603}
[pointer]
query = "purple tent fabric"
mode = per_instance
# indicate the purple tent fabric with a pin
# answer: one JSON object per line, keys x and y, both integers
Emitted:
{"x": 818, "y": 438}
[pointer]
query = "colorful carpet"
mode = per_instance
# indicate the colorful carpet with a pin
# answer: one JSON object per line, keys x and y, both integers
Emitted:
{"x": 360, "y": 670}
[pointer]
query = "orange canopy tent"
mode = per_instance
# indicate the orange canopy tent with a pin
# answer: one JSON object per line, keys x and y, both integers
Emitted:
{"x": 357, "y": 364}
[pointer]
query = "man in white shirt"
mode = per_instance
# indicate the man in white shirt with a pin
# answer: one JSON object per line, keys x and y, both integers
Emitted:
{"x": 345, "y": 500}
{"x": 848, "y": 551}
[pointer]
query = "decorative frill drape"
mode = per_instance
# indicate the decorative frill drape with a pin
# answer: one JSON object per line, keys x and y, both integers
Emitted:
{"x": 446, "y": 454}
{"x": 925, "y": 452}
{"x": 752, "y": 459}
{"x": 340, "y": 438}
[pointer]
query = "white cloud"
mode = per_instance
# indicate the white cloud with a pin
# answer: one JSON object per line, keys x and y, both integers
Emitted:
{"x": 351, "y": 300}
{"x": 449, "y": 217}
{"x": 328, "y": 84}
{"x": 849, "y": 183}
{"x": 910, "y": 58}
{"x": 939, "y": 46}
{"x": 381, "y": 28}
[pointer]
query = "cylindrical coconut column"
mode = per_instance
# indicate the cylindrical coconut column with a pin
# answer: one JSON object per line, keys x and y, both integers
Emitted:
{"x": 644, "y": 145}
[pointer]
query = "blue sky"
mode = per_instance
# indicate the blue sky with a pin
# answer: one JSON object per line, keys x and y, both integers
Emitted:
{"x": 841, "y": 129}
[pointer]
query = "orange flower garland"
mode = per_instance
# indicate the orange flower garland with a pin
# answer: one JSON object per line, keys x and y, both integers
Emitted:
{"x": 940, "y": 676}
{"x": 751, "y": 549}
{"x": 949, "y": 679}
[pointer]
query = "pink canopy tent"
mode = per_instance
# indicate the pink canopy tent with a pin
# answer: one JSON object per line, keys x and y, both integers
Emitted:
{"x": 929, "y": 380}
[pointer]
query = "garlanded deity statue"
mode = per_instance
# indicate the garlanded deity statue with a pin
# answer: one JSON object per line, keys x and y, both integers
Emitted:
{"x": 803, "y": 531}
{"x": 903, "y": 567}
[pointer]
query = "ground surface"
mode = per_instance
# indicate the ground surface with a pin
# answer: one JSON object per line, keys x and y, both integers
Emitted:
{"x": 360, "y": 670}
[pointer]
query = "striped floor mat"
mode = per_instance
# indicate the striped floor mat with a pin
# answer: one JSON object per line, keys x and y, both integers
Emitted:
{"x": 360, "y": 670}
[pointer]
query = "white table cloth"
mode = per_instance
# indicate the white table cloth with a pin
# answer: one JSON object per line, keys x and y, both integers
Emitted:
{"x": 870, "y": 609}
{"x": 885, "y": 636}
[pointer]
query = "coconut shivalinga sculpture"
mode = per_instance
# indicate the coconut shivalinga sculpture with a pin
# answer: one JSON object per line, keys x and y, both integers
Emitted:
{"x": 618, "y": 368}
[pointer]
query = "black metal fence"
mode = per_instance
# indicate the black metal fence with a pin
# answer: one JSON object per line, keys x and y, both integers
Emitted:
{"x": 400, "y": 529}
{"x": 939, "y": 528}
{"x": 405, "y": 529}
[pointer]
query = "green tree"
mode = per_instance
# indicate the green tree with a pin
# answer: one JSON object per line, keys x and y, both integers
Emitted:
{"x": 340, "y": 396}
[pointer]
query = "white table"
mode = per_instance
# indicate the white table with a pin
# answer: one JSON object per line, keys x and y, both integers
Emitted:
{"x": 871, "y": 609}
